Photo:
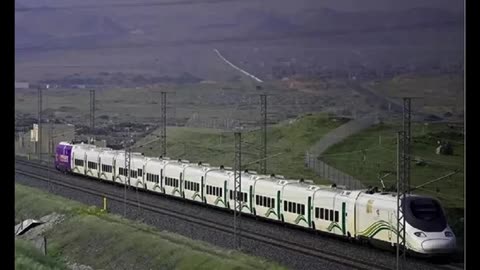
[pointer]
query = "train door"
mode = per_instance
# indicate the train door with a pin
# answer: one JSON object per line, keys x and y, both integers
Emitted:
{"x": 182, "y": 191}
{"x": 85, "y": 163}
{"x": 391, "y": 220}
{"x": 114, "y": 172}
{"x": 309, "y": 211}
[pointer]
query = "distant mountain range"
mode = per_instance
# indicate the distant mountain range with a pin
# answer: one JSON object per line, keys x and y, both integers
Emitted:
{"x": 247, "y": 26}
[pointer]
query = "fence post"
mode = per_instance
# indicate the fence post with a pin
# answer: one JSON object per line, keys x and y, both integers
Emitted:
{"x": 44, "y": 245}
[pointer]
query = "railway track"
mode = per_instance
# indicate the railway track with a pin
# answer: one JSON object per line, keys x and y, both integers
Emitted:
{"x": 318, "y": 254}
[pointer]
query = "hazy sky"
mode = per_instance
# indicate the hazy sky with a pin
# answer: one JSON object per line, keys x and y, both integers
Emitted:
{"x": 351, "y": 5}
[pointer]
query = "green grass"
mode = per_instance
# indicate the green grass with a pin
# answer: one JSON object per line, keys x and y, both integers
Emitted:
{"x": 104, "y": 241}
{"x": 31, "y": 203}
{"x": 28, "y": 257}
{"x": 287, "y": 143}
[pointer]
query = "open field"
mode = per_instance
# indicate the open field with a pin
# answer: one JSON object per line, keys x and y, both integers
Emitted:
{"x": 442, "y": 95}
{"x": 216, "y": 100}
{"x": 105, "y": 241}
{"x": 287, "y": 143}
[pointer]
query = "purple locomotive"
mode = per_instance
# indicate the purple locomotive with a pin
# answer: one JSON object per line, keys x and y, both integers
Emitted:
{"x": 63, "y": 157}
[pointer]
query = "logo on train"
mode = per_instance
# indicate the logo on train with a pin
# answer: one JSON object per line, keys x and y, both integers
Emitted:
{"x": 63, "y": 158}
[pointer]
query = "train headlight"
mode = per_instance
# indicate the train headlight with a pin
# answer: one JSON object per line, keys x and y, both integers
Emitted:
{"x": 420, "y": 234}
{"x": 448, "y": 234}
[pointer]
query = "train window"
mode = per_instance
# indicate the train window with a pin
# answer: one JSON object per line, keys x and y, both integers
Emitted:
{"x": 326, "y": 214}
{"x": 221, "y": 193}
{"x": 321, "y": 213}
{"x": 231, "y": 195}
{"x": 336, "y": 216}
{"x": 299, "y": 208}
{"x": 269, "y": 202}
{"x": 245, "y": 197}
{"x": 198, "y": 187}
{"x": 140, "y": 172}
{"x": 273, "y": 202}
{"x": 256, "y": 199}
{"x": 285, "y": 206}
{"x": 316, "y": 212}
{"x": 264, "y": 201}
{"x": 294, "y": 208}
{"x": 157, "y": 177}
{"x": 303, "y": 209}
{"x": 331, "y": 215}
{"x": 289, "y": 206}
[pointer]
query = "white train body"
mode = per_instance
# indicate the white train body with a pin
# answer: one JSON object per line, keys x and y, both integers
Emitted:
{"x": 357, "y": 214}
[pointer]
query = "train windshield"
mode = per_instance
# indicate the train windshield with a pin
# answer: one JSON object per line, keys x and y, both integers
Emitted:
{"x": 425, "y": 214}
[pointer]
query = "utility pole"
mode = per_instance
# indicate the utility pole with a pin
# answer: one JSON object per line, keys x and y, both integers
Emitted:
{"x": 263, "y": 149}
{"x": 407, "y": 120}
{"x": 401, "y": 195}
{"x": 127, "y": 170}
{"x": 403, "y": 180}
{"x": 237, "y": 209}
{"x": 92, "y": 110}
{"x": 163, "y": 124}
{"x": 39, "y": 137}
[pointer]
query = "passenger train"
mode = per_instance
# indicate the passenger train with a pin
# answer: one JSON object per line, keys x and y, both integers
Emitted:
{"x": 353, "y": 214}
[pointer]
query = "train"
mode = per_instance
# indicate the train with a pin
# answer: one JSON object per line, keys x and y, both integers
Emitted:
{"x": 357, "y": 215}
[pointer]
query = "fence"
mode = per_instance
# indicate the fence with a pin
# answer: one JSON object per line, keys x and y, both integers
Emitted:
{"x": 328, "y": 172}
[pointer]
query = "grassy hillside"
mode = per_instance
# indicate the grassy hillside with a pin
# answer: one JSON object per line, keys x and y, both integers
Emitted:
{"x": 287, "y": 143}
{"x": 104, "y": 241}
{"x": 380, "y": 157}
{"x": 373, "y": 152}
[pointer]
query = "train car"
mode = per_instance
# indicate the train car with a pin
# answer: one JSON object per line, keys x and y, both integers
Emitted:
{"x": 137, "y": 166}
{"x": 154, "y": 174}
{"x": 79, "y": 158}
{"x": 194, "y": 177}
{"x": 216, "y": 187}
{"x": 267, "y": 192}
{"x": 427, "y": 231}
{"x": 245, "y": 195}
{"x": 173, "y": 178}
{"x": 63, "y": 157}
{"x": 333, "y": 210}
{"x": 297, "y": 203}
{"x": 92, "y": 159}
{"x": 107, "y": 164}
